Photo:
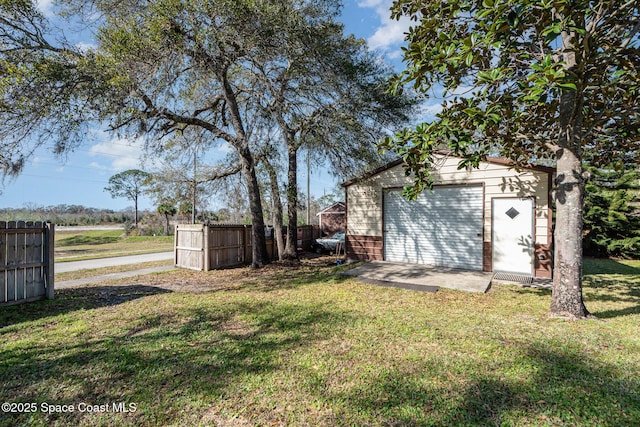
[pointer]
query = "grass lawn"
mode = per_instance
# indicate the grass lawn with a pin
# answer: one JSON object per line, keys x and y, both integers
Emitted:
{"x": 93, "y": 272}
{"x": 83, "y": 245}
{"x": 304, "y": 346}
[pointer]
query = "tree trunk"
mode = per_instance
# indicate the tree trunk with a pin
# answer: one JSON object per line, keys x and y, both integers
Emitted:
{"x": 166, "y": 225}
{"x": 135, "y": 208}
{"x": 277, "y": 207}
{"x": 566, "y": 298}
{"x": 260, "y": 257}
{"x": 291, "y": 251}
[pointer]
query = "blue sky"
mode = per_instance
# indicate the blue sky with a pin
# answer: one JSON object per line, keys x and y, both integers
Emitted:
{"x": 79, "y": 178}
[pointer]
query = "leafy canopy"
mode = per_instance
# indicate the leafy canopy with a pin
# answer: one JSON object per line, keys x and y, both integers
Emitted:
{"x": 130, "y": 184}
{"x": 502, "y": 67}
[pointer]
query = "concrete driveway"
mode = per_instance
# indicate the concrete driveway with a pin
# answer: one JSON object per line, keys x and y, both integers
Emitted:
{"x": 421, "y": 277}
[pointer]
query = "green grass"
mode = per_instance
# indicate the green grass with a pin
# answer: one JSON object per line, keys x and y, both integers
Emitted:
{"x": 84, "y": 245}
{"x": 93, "y": 272}
{"x": 286, "y": 346}
{"x": 96, "y": 237}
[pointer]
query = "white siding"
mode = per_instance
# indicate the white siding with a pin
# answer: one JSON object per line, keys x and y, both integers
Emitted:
{"x": 364, "y": 198}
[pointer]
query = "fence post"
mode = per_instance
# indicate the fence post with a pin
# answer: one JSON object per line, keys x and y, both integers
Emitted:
{"x": 175, "y": 245}
{"x": 205, "y": 242}
{"x": 50, "y": 233}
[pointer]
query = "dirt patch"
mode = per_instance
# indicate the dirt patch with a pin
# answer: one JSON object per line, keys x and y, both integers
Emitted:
{"x": 191, "y": 281}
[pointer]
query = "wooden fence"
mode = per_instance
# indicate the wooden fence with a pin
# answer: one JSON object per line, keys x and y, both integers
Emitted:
{"x": 207, "y": 247}
{"x": 226, "y": 245}
{"x": 26, "y": 261}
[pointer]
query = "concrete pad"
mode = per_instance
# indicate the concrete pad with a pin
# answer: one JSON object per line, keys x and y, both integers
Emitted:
{"x": 423, "y": 275}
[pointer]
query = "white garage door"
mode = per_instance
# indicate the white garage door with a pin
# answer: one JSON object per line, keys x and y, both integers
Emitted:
{"x": 442, "y": 228}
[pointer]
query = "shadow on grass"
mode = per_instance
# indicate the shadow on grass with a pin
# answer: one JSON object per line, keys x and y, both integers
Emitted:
{"x": 295, "y": 277}
{"x": 74, "y": 299}
{"x": 87, "y": 240}
{"x": 564, "y": 388}
{"x": 607, "y": 281}
{"x": 595, "y": 266}
{"x": 172, "y": 359}
{"x": 610, "y": 281}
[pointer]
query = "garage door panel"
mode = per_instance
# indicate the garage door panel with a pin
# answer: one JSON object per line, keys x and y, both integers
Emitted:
{"x": 442, "y": 227}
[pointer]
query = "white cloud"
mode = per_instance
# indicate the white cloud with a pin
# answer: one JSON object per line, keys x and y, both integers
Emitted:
{"x": 45, "y": 7}
{"x": 85, "y": 47}
{"x": 391, "y": 33}
{"x": 225, "y": 148}
{"x": 98, "y": 166}
{"x": 370, "y": 3}
{"x": 120, "y": 153}
{"x": 430, "y": 110}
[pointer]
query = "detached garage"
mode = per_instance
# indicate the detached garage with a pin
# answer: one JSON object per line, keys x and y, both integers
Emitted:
{"x": 489, "y": 219}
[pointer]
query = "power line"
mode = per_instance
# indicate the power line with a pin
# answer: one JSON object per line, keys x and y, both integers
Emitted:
{"x": 60, "y": 178}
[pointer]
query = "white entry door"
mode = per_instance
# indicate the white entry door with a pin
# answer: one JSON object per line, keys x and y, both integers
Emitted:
{"x": 512, "y": 235}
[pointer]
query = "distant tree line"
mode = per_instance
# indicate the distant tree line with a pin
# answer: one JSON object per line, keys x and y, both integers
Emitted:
{"x": 68, "y": 215}
{"x": 151, "y": 222}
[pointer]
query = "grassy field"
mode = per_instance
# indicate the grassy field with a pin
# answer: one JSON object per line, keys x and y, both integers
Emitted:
{"x": 82, "y": 245}
{"x": 305, "y": 346}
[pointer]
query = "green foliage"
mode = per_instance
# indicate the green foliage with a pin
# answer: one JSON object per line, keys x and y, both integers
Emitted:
{"x": 611, "y": 217}
{"x": 129, "y": 184}
{"x": 503, "y": 67}
{"x": 185, "y": 208}
{"x": 167, "y": 209}
{"x": 69, "y": 215}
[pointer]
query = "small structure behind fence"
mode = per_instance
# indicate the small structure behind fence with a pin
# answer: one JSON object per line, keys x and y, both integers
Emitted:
{"x": 26, "y": 261}
{"x": 306, "y": 234}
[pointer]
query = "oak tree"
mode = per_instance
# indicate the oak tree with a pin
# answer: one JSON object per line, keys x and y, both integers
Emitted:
{"x": 157, "y": 68}
{"x": 326, "y": 92}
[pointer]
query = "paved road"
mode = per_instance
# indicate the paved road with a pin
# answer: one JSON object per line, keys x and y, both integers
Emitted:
{"x": 63, "y": 267}
{"x": 89, "y": 227}
{"x": 111, "y": 276}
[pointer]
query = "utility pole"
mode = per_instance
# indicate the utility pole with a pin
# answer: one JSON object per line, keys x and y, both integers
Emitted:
{"x": 308, "y": 188}
{"x": 195, "y": 185}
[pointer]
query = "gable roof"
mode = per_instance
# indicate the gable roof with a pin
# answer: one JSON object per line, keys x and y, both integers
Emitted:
{"x": 495, "y": 160}
{"x": 328, "y": 209}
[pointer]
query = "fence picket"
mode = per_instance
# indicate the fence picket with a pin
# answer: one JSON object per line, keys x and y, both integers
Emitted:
{"x": 11, "y": 262}
{"x": 20, "y": 259}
